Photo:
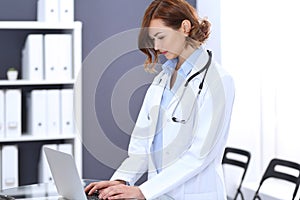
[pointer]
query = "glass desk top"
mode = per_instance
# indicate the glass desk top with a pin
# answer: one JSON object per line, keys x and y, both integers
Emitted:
{"x": 44, "y": 191}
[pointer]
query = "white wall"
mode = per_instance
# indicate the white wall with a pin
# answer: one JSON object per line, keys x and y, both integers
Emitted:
{"x": 259, "y": 47}
{"x": 211, "y": 10}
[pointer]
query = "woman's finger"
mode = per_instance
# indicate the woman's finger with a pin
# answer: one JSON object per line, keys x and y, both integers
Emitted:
{"x": 89, "y": 187}
{"x": 111, "y": 191}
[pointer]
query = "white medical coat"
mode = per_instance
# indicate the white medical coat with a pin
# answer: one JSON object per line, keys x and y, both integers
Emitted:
{"x": 192, "y": 152}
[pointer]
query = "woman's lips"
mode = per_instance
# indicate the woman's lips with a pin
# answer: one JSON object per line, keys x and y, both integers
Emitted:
{"x": 164, "y": 52}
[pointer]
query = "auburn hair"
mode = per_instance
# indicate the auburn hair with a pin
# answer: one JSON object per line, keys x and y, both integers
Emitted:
{"x": 172, "y": 13}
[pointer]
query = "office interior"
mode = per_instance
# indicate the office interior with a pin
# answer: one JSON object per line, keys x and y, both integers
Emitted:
{"x": 256, "y": 41}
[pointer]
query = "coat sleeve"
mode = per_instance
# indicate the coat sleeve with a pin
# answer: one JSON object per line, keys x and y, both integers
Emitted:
{"x": 208, "y": 144}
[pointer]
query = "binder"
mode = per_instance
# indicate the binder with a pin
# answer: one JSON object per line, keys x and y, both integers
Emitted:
{"x": 66, "y": 148}
{"x": 51, "y": 48}
{"x": 9, "y": 166}
{"x": 44, "y": 175}
{"x": 1, "y": 168}
{"x": 67, "y": 120}
{"x": 13, "y": 113}
{"x": 2, "y": 111}
{"x": 33, "y": 57}
{"x": 65, "y": 56}
{"x": 58, "y": 56}
{"x": 47, "y": 10}
{"x": 36, "y": 112}
{"x": 66, "y": 10}
{"x": 53, "y": 112}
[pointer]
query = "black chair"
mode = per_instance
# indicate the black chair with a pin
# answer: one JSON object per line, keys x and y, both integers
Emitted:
{"x": 238, "y": 163}
{"x": 272, "y": 173}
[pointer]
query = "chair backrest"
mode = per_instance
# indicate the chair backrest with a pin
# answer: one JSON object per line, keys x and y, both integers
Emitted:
{"x": 271, "y": 172}
{"x": 236, "y": 161}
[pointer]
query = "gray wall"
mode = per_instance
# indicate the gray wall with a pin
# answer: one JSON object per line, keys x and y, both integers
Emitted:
{"x": 101, "y": 20}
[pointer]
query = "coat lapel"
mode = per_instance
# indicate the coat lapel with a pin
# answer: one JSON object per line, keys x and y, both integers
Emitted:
{"x": 157, "y": 90}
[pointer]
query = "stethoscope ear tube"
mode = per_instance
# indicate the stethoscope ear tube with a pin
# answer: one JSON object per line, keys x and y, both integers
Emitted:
{"x": 200, "y": 71}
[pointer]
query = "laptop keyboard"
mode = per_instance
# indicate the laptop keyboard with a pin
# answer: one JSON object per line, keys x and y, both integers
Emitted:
{"x": 93, "y": 197}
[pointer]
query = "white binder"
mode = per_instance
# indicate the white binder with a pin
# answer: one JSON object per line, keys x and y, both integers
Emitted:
{"x": 51, "y": 48}
{"x": 2, "y": 115}
{"x": 1, "y": 167}
{"x": 9, "y": 166}
{"x": 66, "y": 10}
{"x": 47, "y": 10}
{"x": 44, "y": 175}
{"x": 33, "y": 57}
{"x": 36, "y": 112}
{"x": 65, "y": 56}
{"x": 66, "y": 148}
{"x": 58, "y": 56}
{"x": 13, "y": 113}
{"x": 53, "y": 112}
{"x": 67, "y": 120}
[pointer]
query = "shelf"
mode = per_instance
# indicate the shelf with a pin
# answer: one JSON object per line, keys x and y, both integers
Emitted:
{"x": 31, "y": 138}
{"x": 15, "y": 32}
{"x": 38, "y": 25}
{"x": 30, "y": 82}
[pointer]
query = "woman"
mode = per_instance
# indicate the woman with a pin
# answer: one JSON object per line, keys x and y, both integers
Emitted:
{"x": 182, "y": 127}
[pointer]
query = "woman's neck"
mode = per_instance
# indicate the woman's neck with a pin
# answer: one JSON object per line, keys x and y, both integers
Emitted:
{"x": 189, "y": 50}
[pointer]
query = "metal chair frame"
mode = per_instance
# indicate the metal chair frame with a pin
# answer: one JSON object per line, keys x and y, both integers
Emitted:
{"x": 238, "y": 163}
{"x": 272, "y": 173}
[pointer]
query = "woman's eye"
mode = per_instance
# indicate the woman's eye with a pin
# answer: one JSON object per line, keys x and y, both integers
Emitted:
{"x": 161, "y": 37}
{"x": 152, "y": 39}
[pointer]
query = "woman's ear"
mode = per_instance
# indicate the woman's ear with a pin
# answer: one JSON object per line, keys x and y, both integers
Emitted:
{"x": 186, "y": 27}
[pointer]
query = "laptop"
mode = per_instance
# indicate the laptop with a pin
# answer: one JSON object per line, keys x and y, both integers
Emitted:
{"x": 65, "y": 175}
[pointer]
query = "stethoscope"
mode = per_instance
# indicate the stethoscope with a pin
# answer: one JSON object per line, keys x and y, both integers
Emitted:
{"x": 205, "y": 68}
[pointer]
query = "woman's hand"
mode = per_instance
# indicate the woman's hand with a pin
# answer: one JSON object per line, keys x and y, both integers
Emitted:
{"x": 114, "y": 190}
{"x": 95, "y": 187}
{"x": 121, "y": 191}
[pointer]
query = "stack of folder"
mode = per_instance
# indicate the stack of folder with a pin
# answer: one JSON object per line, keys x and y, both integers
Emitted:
{"x": 47, "y": 57}
{"x": 10, "y": 113}
{"x": 55, "y": 10}
{"x": 58, "y": 56}
{"x": 50, "y": 112}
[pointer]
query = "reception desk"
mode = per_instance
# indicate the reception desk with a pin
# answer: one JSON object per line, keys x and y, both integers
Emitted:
{"x": 44, "y": 191}
{"x": 34, "y": 191}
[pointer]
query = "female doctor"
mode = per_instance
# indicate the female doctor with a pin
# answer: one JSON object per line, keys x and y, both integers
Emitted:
{"x": 183, "y": 124}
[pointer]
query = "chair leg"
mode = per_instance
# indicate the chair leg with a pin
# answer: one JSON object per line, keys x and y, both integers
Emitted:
{"x": 242, "y": 196}
{"x": 239, "y": 192}
{"x": 256, "y": 196}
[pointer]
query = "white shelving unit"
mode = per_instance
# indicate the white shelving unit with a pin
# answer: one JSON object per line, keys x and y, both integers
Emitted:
{"x": 32, "y": 83}
{"x": 75, "y": 29}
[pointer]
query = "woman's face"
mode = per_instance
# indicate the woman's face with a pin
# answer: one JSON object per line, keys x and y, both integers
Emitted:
{"x": 166, "y": 40}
